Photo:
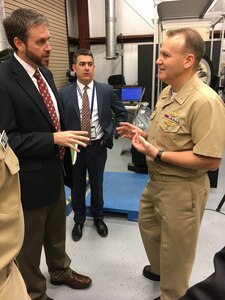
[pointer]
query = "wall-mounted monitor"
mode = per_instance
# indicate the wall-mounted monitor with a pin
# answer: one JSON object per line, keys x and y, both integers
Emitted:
{"x": 131, "y": 93}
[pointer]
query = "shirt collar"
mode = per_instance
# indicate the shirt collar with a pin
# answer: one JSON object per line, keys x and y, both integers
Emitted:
{"x": 184, "y": 92}
{"x": 30, "y": 70}
{"x": 81, "y": 85}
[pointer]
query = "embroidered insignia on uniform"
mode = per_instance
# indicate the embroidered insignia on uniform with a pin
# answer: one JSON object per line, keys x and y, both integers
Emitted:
{"x": 172, "y": 116}
{"x": 169, "y": 123}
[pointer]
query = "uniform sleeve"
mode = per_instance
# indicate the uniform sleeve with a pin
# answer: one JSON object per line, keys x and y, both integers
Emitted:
{"x": 208, "y": 130}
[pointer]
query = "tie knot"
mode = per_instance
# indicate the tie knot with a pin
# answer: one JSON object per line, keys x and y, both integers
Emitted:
{"x": 85, "y": 88}
{"x": 37, "y": 74}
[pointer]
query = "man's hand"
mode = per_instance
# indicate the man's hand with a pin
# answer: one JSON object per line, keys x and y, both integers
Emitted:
{"x": 70, "y": 138}
{"x": 127, "y": 130}
{"x": 143, "y": 146}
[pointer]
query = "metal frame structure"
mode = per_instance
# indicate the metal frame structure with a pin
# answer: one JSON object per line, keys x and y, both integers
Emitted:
{"x": 178, "y": 10}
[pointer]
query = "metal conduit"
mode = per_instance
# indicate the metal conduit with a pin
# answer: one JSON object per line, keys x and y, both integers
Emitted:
{"x": 110, "y": 25}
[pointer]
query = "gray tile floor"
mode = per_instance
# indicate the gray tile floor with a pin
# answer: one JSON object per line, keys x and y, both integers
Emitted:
{"x": 115, "y": 263}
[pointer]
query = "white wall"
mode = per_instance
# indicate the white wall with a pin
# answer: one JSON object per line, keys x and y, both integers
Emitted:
{"x": 128, "y": 23}
{"x": 104, "y": 68}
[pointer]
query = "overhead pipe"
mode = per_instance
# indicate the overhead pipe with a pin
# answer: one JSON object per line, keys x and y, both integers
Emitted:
{"x": 110, "y": 26}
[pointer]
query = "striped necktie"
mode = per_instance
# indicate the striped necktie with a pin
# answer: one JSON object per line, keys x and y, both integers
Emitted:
{"x": 86, "y": 115}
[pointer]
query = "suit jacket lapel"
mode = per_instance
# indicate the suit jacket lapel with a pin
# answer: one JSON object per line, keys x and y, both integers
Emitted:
{"x": 73, "y": 95}
{"x": 29, "y": 87}
{"x": 99, "y": 94}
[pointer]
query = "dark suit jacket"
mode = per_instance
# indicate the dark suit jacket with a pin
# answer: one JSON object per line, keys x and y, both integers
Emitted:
{"x": 213, "y": 287}
{"x": 107, "y": 102}
{"x": 29, "y": 127}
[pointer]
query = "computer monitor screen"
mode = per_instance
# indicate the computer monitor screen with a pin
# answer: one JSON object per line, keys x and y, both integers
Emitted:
{"x": 131, "y": 93}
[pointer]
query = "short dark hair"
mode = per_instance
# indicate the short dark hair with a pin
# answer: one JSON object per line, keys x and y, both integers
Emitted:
{"x": 19, "y": 22}
{"x": 193, "y": 42}
{"x": 82, "y": 51}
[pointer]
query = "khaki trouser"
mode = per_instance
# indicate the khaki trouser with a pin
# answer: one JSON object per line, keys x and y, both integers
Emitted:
{"x": 169, "y": 220}
{"x": 12, "y": 286}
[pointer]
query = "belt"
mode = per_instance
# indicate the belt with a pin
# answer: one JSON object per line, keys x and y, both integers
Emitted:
{"x": 171, "y": 178}
{"x": 99, "y": 141}
{"x": 4, "y": 273}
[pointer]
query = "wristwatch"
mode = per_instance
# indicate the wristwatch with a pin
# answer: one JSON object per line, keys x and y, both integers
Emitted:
{"x": 158, "y": 156}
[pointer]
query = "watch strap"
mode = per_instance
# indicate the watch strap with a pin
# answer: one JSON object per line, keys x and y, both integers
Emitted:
{"x": 159, "y": 155}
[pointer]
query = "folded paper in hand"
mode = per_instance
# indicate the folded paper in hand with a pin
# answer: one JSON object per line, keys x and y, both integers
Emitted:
{"x": 73, "y": 154}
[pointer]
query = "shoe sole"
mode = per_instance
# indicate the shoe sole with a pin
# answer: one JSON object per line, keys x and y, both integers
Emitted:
{"x": 152, "y": 276}
{"x": 72, "y": 286}
{"x": 102, "y": 235}
{"x": 77, "y": 239}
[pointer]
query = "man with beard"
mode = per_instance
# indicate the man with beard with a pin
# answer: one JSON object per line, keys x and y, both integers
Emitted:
{"x": 31, "y": 115}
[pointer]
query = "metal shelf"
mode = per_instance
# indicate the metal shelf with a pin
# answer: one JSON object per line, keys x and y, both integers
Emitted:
{"x": 182, "y": 9}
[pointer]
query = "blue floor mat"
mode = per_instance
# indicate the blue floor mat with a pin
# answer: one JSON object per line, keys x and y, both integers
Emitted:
{"x": 122, "y": 192}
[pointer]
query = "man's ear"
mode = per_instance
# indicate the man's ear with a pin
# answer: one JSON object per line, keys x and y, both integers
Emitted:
{"x": 74, "y": 67}
{"x": 19, "y": 44}
{"x": 189, "y": 61}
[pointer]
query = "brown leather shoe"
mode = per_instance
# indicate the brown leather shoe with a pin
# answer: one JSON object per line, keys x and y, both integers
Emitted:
{"x": 75, "y": 281}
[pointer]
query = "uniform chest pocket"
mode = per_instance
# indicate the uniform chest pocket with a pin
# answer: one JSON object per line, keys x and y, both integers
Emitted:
{"x": 8, "y": 164}
{"x": 170, "y": 135}
{"x": 9, "y": 183}
{"x": 11, "y": 161}
{"x": 170, "y": 127}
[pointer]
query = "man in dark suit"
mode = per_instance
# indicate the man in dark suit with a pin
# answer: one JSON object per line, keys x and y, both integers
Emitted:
{"x": 37, "y": 144}
{"x": 213, "y": 286}
{"x": 102, "y": 101}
